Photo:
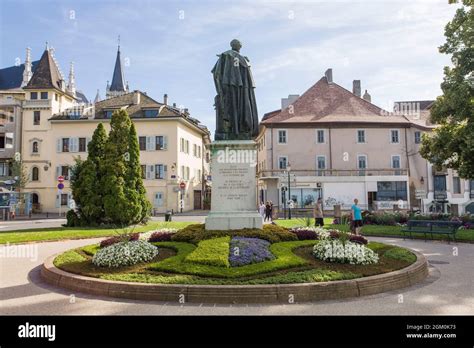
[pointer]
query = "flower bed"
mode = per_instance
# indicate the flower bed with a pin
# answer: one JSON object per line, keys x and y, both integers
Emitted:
{"x": 213, "y": 252}
{"x": 125, "y": 254}
{"x": 117, "y": 239}
{"x": 245, "y": 251}
{"x": 310, "y": 233}
{"x": 336, "y": 234}
{"x": 344, "y": 252}
{"x": 160, "y": 235}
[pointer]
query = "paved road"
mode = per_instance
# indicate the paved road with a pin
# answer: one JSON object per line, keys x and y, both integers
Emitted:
{"x": 51, "y": 223}
{"x": 448, "y": 290}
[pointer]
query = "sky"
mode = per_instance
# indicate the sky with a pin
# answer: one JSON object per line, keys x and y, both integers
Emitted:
{"x": 171, "y": 46}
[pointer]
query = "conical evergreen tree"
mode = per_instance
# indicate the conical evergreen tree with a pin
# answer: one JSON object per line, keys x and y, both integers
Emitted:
{"x": 134, "y": 179}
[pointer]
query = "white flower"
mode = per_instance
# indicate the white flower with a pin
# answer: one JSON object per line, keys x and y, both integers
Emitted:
{"x": 125, "y": 254}
{"x": 348, "y": 252}
{"x": 146, "y": 235}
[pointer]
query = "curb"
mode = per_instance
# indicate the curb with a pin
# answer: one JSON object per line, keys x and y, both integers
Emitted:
{"x": 239, "y": 294}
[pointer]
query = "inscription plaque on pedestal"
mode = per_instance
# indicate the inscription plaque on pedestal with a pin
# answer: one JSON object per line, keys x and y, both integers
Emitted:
{"x": 234, "y": 195}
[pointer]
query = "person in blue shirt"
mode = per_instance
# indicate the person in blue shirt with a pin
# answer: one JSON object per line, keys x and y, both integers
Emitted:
{"x": 356, "y": 214}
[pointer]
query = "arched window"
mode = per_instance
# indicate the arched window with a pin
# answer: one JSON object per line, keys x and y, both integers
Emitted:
{"x": 35, "y": 147}
{"x": 35, "y": 174}
{"x": 35, "y": 198}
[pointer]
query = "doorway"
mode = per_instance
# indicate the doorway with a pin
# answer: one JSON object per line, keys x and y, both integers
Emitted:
{"x": 197, "y": 200}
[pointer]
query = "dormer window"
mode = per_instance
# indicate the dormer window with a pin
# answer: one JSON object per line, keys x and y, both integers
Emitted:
{"x": 151, "y": 113}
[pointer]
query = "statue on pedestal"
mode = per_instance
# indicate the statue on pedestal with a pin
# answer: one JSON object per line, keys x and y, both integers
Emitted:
{"x": 236, "y": 108}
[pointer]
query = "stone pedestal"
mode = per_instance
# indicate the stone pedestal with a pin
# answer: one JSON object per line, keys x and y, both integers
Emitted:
{"x": 234, "y": 186}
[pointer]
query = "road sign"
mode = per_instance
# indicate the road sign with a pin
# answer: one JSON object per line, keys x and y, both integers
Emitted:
{"x": 61, "y": 178}
{"x": 60, "y": 186}
{"x": 182, "y": 185}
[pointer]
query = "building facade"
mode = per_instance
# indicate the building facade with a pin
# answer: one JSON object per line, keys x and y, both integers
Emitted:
{"x": 57, "y": 129}
{"x": 339, "y": 147}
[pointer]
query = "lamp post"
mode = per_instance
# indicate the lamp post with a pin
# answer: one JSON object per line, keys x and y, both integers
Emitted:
{"x": 288, "y": 168}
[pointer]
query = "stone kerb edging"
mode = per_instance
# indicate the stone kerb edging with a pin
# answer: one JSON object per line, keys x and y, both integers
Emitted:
{"x": 235, "y": 294}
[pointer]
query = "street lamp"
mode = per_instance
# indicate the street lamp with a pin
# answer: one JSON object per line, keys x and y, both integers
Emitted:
{"x": 288, "y": 168}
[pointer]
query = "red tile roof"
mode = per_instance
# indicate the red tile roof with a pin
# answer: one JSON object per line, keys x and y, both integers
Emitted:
{"x": 329, "y": 102}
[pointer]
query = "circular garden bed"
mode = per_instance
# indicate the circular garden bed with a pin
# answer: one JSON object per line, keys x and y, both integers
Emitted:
{"x": 269, "y": 265}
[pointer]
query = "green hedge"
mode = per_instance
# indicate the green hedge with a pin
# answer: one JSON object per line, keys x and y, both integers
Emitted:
{"x": 213, "y": 252}
{"x": 197, "y": 232}
{"x": 282, "y": 251}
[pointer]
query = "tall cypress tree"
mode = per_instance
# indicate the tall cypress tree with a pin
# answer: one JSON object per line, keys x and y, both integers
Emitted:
{"x": 134, "y": 179}
{"x": 123, "y": 198}
{"x": 86, "y": 181}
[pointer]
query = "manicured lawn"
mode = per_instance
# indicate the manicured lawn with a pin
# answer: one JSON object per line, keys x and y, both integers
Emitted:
{"x": 381, "y": 230}
{"x": 59, "y": 233}
{"x": 294, "y": 264}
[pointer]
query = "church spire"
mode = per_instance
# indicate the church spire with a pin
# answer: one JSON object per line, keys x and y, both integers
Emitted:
{"x": 117, "y": 87}
{"x": 97, "y": 97}
{"x": 71, "y": 86}
{"x": 27, "y": 73}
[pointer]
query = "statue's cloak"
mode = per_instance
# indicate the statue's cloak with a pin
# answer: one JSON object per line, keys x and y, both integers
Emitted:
{"x": 236, "y": 108}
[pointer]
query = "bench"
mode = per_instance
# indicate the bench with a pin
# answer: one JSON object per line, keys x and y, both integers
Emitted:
{"x": 432, "y": 227}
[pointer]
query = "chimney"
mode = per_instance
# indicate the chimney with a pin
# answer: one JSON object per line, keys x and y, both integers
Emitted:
{"x": 165, "y": 99}
{"x": 285, "y": 102}
{"x": 174, "y": 105}
{"x": 71, "y": 87}
{"x": 328, "y": 75}
{"x": 136, "y": 98}
{"x": 367, "y": 97}
{"x": 356, "y": 88}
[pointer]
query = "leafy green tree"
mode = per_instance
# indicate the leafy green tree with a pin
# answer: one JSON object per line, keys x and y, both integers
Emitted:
{"x": 451, "y": 144}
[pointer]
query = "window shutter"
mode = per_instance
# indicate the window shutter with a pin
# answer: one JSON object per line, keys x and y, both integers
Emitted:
{"x": 69, "y": 200}
{"x": 68, "y": 173}
{"x": 58, "y": 144}
{"x": 165, "y": 171}
{"x": 153, "y": 143}
{"x": 58, "y": 200}
{"x": 58, "y": 171}
{"x": 147, "y": 169}
{"x": 165, "y": 142}
{"x": 148, "y": 143}
{"x": 73, "y": 144}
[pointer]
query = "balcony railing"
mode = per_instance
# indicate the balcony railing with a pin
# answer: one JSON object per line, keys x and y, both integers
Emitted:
{"x": 332, "y": 172}
{"x": 37, "y": 103}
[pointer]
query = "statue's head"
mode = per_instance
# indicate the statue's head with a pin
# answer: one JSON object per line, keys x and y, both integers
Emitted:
{"x": 236, "y": 45}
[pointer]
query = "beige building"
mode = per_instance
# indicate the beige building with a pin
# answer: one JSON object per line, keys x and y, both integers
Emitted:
{"x": 341, "y": 146}
{"x": 56, "y": 129}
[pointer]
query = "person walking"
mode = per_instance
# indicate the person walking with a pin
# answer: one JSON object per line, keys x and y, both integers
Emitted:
{"x": 318, "y": 213}
{"x": 261, "y": 210}
{"x": 271, "y": 211}
{"x": 356, "y": 217}
{"x": 267, "y": 212}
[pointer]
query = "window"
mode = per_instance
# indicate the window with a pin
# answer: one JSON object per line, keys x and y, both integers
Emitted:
{"x": 34, "y": 174}
{"x": 56, "y": 96}
{"x": 151, "y": 113}
{"x": 33, "y": 95}
{"x": 187, "y": 146}
{"x": 64, "y": 199}
{"x": 2, "y": 142}
{"x": 320, "y": 136}
{"x": 362, "y": 162}
{"x": 4, "y": 169}
{"x": 44, "y": 95}
{"x": 36, "y": 117}
{"x": 65, "y": 144}
{"x": 143, "y": 167}
{"x": 417, "y": 137}
{"x": 35, "y": 147}
{"x": 65, "y": 172}
{"x": 160, "y": 143}
{"x": 181, "y": 144}
{"x": 396, "y": 161}
{"x": 456, "y": 184}
{"x": 320, "y": 164}
{"x": 108, "y": 113}
{"x": 282, "y": 162}
{"x": 394, "y": 136}
{"x": 160, "y": 170}
{"x": 82, "y": 145}
{"x": 361, "y": 136}
{"x": 439, "y": 184}
{"x": 391, "y": 190}
{"x": 282, "y": 137}
{"x": 194, "y": 150}
{"x": 142, "y": 143}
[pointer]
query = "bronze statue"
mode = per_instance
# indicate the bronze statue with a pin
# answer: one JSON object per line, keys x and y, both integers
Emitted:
{"x": 236, "y": 108}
